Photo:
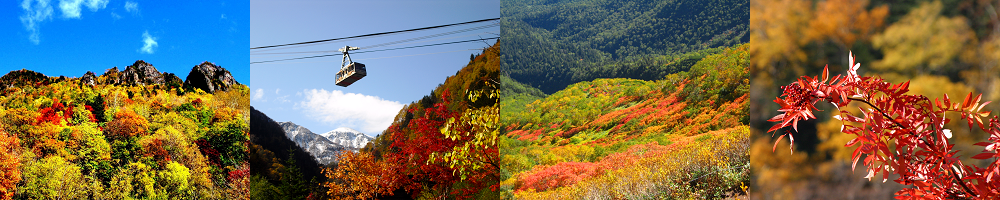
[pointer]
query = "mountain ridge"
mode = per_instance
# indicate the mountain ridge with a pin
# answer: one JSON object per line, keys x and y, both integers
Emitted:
{"x": 321, "y": 148}
{"x": 348, "y": 137}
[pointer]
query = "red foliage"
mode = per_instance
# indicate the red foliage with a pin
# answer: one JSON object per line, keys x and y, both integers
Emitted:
{"x": 558, "y": 175}
{"x": 50, "y": 114}
{"x": 902, "y": 134}
{"x": 412, "y": 148}
{"x": 209, "y": 152}
{"x": 236, "y": 175}
{"x": 416, "y": 147}
{"x": 155, "y": 149}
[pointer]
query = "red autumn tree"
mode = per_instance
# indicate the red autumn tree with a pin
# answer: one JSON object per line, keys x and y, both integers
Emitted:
{"x": 10, "y": 173}
{"x": 416, "y": 146}
{"x": 900, "y": 133}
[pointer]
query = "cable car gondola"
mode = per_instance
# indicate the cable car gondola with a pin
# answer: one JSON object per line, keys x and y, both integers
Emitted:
{"x": 349, "y": 73}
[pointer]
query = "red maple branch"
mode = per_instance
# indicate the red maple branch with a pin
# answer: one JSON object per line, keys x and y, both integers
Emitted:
{"x": 919, "y": 162}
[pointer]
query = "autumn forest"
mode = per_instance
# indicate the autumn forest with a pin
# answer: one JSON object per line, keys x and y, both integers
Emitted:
{"x": 131, "y": 134}
{"x": 575, "y": 99}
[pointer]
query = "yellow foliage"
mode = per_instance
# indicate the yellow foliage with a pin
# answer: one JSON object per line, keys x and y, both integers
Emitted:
{"x": 923, "y": 40}
{"x": 663, "y": 173}
{"x": 776, "y": 28}
{"x": 845, "y": 21}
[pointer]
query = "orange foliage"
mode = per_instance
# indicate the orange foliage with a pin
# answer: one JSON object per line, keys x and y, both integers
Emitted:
{"x": 127, "y": 124}
{"x": 10, "y": 173}
{"x": 558, "y": 175}
{"x": 359, "y": 176}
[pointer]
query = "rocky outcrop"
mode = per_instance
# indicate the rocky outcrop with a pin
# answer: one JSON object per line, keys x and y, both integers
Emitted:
{"x": 171, "y": 80}
{"x": 111, "y": 76}
{"x": 141, "y": 73}
{"x": 210, "y": 78}
{"x": 19, "y": 78}
{"x": 89, "y": 78}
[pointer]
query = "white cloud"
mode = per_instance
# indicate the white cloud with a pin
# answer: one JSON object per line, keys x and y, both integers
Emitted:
{"x": 277, "y": 90}
{"x": 369, "y": 114}
{"x": 116, "y": 16}
{"x": 71, "y": 8}
{"x": 258, "y": 94}
{"x": 35, "y": 12}
{"x": 149, "y": 43}
{"x": 132, "y": 7}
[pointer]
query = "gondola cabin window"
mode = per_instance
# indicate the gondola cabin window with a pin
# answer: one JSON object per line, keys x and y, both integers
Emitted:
{"x": 348, "y": 75}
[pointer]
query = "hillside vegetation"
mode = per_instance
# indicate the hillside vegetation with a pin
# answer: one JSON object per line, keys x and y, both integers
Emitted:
{"x": 685, "y": 135}
{"x": 121, "y": 136}
{"x": 550, "y": 44}
{"x": 444, "y": 145}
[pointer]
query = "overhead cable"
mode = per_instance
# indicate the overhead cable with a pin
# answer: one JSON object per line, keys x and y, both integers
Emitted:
{"x": 337, "y": 54}
{"x": 400, "y": 42}
{"x": 374, "y": 34}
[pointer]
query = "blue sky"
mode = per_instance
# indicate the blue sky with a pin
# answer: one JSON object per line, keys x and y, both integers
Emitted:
{"x": 71, "y": 37}
{"x": 303, "y": 91}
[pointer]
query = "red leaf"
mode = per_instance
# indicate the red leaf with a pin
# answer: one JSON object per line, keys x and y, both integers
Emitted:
{"x": 795, "y": 125}
{"x": 947, "y": 101}
{"x": 965, "y": 104}
{"x": 776, "y": 143}
{"x": 856, "y": 156}
{"x": 826, "y": 73}
{"x": 984, "y": 156}
{"x": 851, "y": 143}
{"x": 982, "y": 144}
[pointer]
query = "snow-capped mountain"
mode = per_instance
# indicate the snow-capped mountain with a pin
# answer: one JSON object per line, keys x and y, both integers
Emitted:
{"x": 348, "y": 137}
{"x": 321, "y": 148}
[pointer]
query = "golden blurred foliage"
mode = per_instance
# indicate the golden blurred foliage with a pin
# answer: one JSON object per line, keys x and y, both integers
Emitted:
{"x": 844, "y": 22}
{"x": 923, "y": 40}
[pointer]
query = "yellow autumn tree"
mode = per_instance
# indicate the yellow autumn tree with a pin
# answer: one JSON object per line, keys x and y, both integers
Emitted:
{"x": 359, "y": 176}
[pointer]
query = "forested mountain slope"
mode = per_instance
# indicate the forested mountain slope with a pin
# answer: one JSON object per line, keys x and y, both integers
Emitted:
{"x": 551, "y": 44}
{"x": 683, "y": 136}
{"x": 443, "y": 145}
{"x": 131, "y": 134}
{"x": 279, "y": 168}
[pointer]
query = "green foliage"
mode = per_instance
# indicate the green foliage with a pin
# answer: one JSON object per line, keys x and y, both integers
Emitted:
{"x": 551, "y": 44}
{"x": 293, "y": 185}
{"x": 124, "y": 151}
{"x": 261, "y": 188}
{"x": 229, "y": 137}
{"x": 94, "y": 152}
{"x": 721, "y": 77}
{"x": 52, "y": 177}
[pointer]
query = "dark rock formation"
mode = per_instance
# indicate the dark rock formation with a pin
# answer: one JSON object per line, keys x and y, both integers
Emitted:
{"x": 111, "y": 76}
{"x": 19, "y": 78}
{"x": 170, "y": 80}
{"x": 89, "y": 78}
{"x": 141, "y": 73}
{"x": 209, "y": 78}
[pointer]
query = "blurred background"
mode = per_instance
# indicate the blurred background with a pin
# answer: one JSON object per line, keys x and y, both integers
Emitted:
{"x": 943, "y": 47}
